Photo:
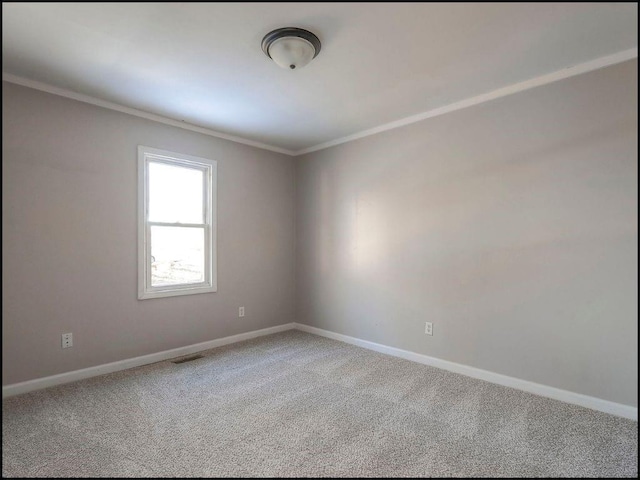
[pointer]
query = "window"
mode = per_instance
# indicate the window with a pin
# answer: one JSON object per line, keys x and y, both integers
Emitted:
{"x": 177, "y": 224}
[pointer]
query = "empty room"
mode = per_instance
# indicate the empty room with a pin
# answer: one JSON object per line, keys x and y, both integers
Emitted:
{"x": 320, "y": 240}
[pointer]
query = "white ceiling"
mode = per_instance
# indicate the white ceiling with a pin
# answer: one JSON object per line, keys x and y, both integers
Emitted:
{"x": 380, "y": 62}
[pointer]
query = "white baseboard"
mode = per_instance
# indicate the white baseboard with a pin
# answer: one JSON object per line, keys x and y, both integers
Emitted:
{"x": 543, "y": 390}
{"x": 39, "y": 383}
{"x": 531, "y": 387}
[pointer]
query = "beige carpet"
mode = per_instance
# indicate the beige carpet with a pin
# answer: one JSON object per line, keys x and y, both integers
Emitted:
{"x": 294, "y": 404}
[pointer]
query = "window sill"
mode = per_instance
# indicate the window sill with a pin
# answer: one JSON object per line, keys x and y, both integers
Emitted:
{"x": 175, "y": 292}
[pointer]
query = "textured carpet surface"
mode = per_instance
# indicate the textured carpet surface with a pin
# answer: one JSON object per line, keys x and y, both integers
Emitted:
{"x": 294, "y": 404}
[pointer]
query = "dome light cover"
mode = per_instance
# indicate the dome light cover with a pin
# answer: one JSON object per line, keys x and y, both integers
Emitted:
{"x": 291, "y": 47}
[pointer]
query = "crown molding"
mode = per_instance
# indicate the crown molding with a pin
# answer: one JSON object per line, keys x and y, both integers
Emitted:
{"x": 572, "y": 71}
{"x": 546, "y": 79}
{"x": 25, "y": 82}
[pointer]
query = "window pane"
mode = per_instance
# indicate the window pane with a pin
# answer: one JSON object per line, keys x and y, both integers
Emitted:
{"x": 175, "y": 194}
{"x": 177, "y": 255}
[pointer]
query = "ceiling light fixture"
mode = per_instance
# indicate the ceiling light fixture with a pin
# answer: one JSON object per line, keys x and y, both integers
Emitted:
{"x": 291, "y": 47}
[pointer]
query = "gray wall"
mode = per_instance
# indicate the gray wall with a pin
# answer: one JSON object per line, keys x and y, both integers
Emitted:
{"x": 512, "y": 226}
{"x": 69, "y": 233}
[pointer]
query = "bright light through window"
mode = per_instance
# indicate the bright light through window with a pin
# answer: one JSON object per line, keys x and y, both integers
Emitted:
{"x": 175, "y": 193}
{"x": 177, "y": 224}
{"x": 177, "y": 256}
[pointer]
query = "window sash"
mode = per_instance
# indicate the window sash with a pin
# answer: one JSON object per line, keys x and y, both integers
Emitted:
{"x": 177, "y": 286}
{"x": 175, "y": 162}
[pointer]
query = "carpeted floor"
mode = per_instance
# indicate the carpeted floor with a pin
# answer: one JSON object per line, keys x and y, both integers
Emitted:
{"x": 294, "y": 404}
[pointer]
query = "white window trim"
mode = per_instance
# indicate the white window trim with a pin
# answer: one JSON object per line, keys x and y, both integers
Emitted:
{"x": 145, "y": 289}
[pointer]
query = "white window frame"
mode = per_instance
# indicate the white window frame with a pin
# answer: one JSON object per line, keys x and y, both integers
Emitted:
{"x": 210, "y": 179}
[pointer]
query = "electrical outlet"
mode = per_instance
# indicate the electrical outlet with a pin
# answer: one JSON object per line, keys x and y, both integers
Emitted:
{"x": 241, "y": 312}
{"x": 428, "y": 328}
{"x": 67, "y": 340}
